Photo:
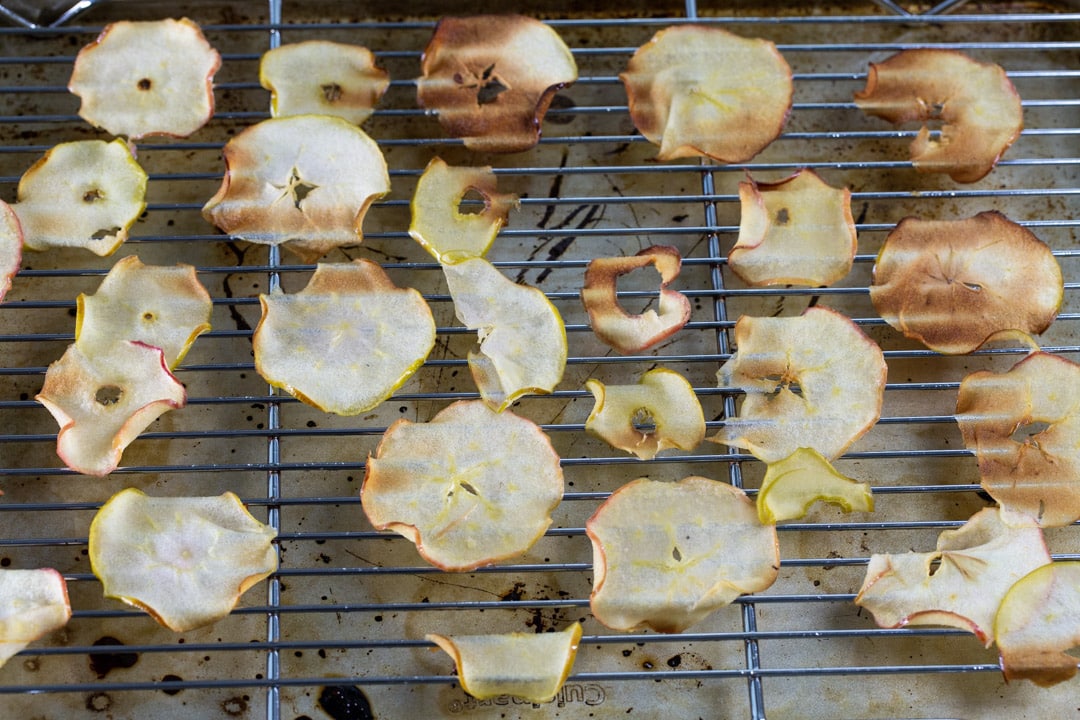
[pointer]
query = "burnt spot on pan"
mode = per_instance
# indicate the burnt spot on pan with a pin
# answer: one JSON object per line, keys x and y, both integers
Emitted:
{"x": 102, "y": 663}
{"x": 345, "y": 702}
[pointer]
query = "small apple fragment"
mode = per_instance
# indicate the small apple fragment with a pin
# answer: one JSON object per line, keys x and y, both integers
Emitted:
{"x": 471, "y": 487}
{"x": 491, "y": 78}
{"x": 530, "y": 666}
{"x": 698, "y": 90}
{"x": 667, "y": 554}
{"x": 952, "y": 284}
{"x": 147, "y": 78}
{"x": 345, "y": 342}
{"x": 11, "y": 244}
{"x": 792, "y": 485}
{"x": 798, "y": 231}
{"x": 184, "y": 560}
{"x": 32, "y": 603}
{"x": 976, "y": 104}
{"x": 1038, "y": 621}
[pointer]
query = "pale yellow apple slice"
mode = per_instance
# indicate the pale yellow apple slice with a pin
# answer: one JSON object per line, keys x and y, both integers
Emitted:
{"x": 491, "y": 78}
{"x": 1038, "y": 621}
{"x": 184, "y": 560}
{"x": 530, "y": 666}
{"x": 792, "y": 485}
{"x": 522, "y": 337}
{"x": 798, "y": 231}
{"x": 439, "y": 224}
{"x": 32, "y": 603}
{"x": 320, "y": 77}
{"x": 11, "y": 243}
{"x": 812, "y": 381}
{"x": 102, "y": 402}
{"x": 662, "y": 397}
{"x": 147, "y": 78}
{"x": 701, "y": 90}
{"x": 345, "y": 342}
{"x": 86, "y": 193}
{"x": 667, "y": 554}
{"x": 976, "y": 104}
{"x": 471, "y": 487}
{"x": 952, "y": 284}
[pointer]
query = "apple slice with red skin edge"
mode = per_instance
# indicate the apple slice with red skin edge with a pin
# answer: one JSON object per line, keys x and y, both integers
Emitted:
{"x": 530, "y": 666}
{"x": 696, "y": 90}
{"x": 977, "y": 105}
{"x": 11, "y": 243}
{"x": 667, "y": 554}
{"x": 32, "y": 603}
{"x": 1037, "y": 622}
{"x": 798, "y": 231}
{"x": 490, "y": 79}
{"x": 345, "y": 342}
{"x": 792, "y": 485}
{"x": 626, "y": 333}
{"x": 103, "y": 402}
{"x": 470, "y": 488}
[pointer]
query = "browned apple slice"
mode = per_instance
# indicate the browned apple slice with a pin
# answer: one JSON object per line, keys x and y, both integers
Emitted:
{"x": 700, "y": 90}
{"x": 798, "y": 231}
{"x": 469, "y": 488}
{"x": 952, "y": 284}
{"x": 147, "y": 78}
{"x": 1038, "y": 621}
{"x": 490, "y": 79}
{"x": 32, "y": 603}
{"x": 11, "y": 243}
{"x": 976, "y": 104}
{"x": 792, "y": 485}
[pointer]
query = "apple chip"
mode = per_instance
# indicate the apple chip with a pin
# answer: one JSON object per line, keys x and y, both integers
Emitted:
{"x": 798, "y": 231}
{"x": 32, "y": 603}
{"x": 319, "y": 77}
{"x": 306, "y": 181}
{"x": 661, "y": 397}
{"x": 792, "y": 485}
{"x": 11, "y": 242}
{"x": 530, "y": 666}
{"x": 147, "y": 78}
{"x": 102, "y": 402}
{"x": 184, "y": 560}
{"x": 627, "y": 333}
{"x": 86, "y": 193}
{"x": 439, "y": 224}
{"x": 975, "y": 103}
{"x": 667, "y": 554}
{"x": 1038, "y": 621}
{"x": 813, "y": 381}
{"x": 522, "y": 336}
{"x": 698, "y": 90}
{"x": 490, "y": 79}
{"x": 346, "y": 341}
{"x": 952, "y": 284}
{"x": 469, "y": 488}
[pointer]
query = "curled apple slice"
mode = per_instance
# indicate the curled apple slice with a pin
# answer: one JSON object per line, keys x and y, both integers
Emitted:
{"x": 952, "y": 284}
{"x": 86, "y": 193}
{"x": 792, "y": 485}
{"x": 11, "y": 243}
{"x": 184, "y": 560}
{"x": 813, "y": 381}
{"x": 798, "y": 231}
{"x": 667, "y": 554}
{"x": 976, "y": 104}
{"x": 698, "y": 90}
{"x": 32, "y": 603}
{"x": 147, "y": 78}
{"x": 1039, "y": 620}
{"x": 490, "y": 79}
{"x": 346, "y": 341}
{"x": 530, "y": 666}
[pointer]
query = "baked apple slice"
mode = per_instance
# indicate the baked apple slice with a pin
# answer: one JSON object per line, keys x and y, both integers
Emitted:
{"x": 1038, "y": 621}
{"x": 792, "y": 485}
{"x": 32, "y": 603}
{"x": 11, "y": 243}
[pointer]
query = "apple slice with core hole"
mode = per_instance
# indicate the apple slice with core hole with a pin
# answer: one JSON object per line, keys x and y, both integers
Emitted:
{"x": 792, "y": 485}
{"x": 1038, "y": 621}
{"x": 32, "y": 603}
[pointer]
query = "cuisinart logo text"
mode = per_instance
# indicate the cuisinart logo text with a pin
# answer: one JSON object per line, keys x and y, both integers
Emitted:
{"x": 571, "y": 693}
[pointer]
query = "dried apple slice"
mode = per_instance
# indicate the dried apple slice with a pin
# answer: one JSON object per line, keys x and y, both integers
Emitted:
{"x": 522, "y": 336}
{"x": 32, "y": 603}
{"x": 976, "y": 104}
{"x": 667, "y": 554}
{"x": 952, "y": 284}
{"x": 438, "y": 223}
{"x": 798, "y": 231}
{"x": 530, "y": 666}
{"x": 320, "y": 77}
{"x": 147, "y": 78}
{"x": 86, "y": 193}
{"x": 305, "y": 180}
{"x": 102, "y": 402}
{"x": 11, "y": 243}
{"x": 469, "y": 488}
{"x": 630, "y": 334}
{"x": 1039, "y": 620}
{"x": 792, "y": 485}
{"x": 813, "y": 381}
{"x": 490, "y": 79}
{"x": 184, "y": 560}
{"x": 661, "y": 396}
{"x": 346, "y": 341}
{"x": 698, "y": 90}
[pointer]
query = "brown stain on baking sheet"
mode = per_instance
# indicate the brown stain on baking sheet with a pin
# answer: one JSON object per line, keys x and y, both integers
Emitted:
{"x": 103, "y": 663}
{"x": 345, "y": 702}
